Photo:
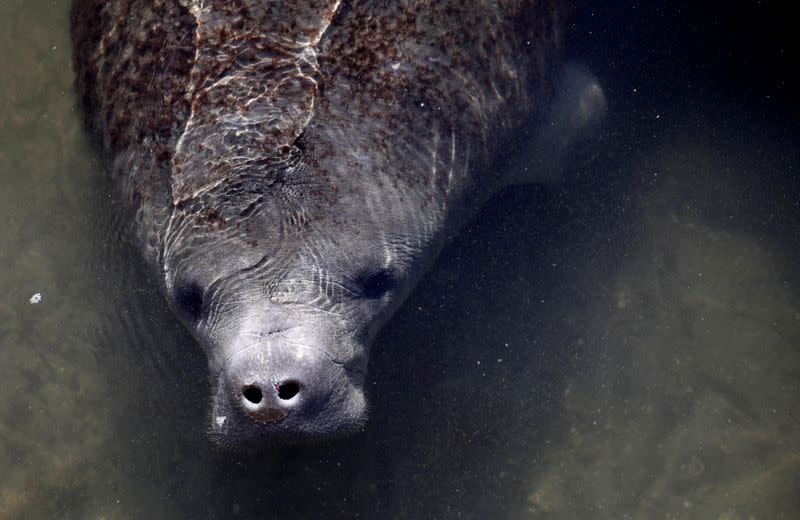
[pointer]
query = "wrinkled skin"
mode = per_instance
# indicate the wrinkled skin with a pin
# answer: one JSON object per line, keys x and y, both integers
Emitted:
{"x": 292, "y": 169}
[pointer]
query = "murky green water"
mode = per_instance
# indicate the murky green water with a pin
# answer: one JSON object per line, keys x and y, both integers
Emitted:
{"x": 626, "y": 348}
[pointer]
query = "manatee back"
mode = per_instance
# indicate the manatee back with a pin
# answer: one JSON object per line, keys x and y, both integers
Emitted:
{"x": 132, "y": 61}
{"x": 168, "y": 89}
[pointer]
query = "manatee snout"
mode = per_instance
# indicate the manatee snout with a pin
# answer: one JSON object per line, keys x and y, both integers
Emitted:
{"x": 277, "y": 391}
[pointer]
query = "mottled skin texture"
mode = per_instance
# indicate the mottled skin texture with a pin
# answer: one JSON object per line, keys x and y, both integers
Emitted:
{"x": 292, "y": 168}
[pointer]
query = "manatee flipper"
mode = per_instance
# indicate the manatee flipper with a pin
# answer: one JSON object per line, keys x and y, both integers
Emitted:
{"x": 575, "y": 113}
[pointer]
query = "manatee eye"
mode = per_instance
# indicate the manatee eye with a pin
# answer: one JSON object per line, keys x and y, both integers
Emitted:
{"x": 189, "y": 300}
{"x": 375, "y": 285}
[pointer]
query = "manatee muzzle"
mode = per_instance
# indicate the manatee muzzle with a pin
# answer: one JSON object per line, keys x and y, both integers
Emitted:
{"x": 281, "y": 392}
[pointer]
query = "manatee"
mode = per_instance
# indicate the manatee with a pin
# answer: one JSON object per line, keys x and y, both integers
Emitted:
{"x": 291, "y": 168}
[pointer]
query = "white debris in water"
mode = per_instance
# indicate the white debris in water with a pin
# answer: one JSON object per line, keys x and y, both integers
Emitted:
{"x": 220, "y": 420}
{"x": 36, "y": 298}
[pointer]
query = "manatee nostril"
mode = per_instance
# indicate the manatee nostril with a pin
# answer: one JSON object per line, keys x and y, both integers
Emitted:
{"x": 288, "y": 389}
{"x": 253, "y": 394}
{"x": 259, "y": 407}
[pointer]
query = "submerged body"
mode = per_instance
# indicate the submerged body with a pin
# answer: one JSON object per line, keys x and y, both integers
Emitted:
{"x": 292, "y": 168}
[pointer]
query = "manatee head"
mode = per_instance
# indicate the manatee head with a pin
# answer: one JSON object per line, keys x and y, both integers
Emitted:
{"x": 285, "y": 282}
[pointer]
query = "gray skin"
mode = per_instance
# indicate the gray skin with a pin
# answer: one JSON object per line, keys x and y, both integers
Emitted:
{"x": 292, "y": 168}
